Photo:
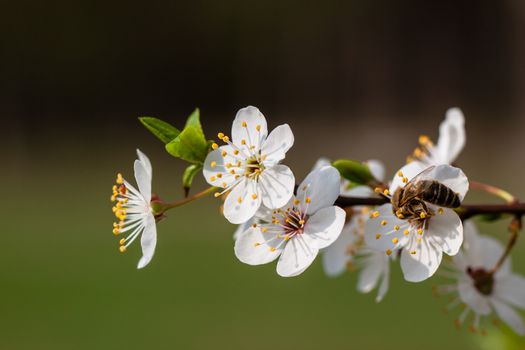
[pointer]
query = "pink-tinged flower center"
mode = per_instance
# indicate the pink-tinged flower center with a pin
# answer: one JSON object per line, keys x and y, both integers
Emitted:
{"x": 483, "y": 280}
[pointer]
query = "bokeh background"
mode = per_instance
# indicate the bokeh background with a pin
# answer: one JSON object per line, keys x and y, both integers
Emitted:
{"x": 354, "y": 79}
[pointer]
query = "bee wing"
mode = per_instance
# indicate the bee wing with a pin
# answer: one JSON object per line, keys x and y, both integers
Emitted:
{"x": 424, "y": 175}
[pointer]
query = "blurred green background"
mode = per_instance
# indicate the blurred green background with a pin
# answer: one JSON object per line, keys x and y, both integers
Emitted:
{"x": 353, "y": 79}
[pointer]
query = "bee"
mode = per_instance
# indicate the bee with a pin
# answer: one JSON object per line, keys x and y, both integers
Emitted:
{"x": 409, "y": 202}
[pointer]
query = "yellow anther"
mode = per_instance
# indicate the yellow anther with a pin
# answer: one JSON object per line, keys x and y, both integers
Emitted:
{"x": 257, "y": 244}
{"x": 440, "y": 211}
{"x": 236, "y": 151}
{"x": 113, "y": 198}
{"x": 239, "y": 164}
{"x": 405, "y": 180}
{"x": 378, "y": 235}
{"x": 422, "y": 215}
{"x": 400, "y": 174}
{"x": 237, "y": 176}
{"x": 286, "y": 237}
{"x": 122, "y": 248}
{"x": 406, "y": 232}
{"x": 116, "y": 231}
{"x": 386, "y": 192}
{"x": 213, "y": 178}
{"x": 226, "y": 139}
{"x": 214, "y": 146}
{"x": 396, "y": 227}
{"x": 413, "y": 252}
{"x": 220, "y": 135}
{"x": 296, "y": 202}
{"x": 229, "y": 165}
{"x": 254, "y": 196}
{"x": 224, "y": 153}
{"x": 244, "y": 124}
{"x": 258, "y": 127}
{"x": 272, "y": 249}
{"x": 219, "y": 175}
{"x": 399, "y": 215}
{"x": 395, "y": 240}
{"x": 224, "y": 185}
{"x": 120, "y": 179}
{"x": 216, "y": 194}
{"x": 301, "y": 222}
{"x": 419, "y": 240}
{"x": 213, "y": 164}
{"x": 122, "y": 241}
{"x": 384, "y": 223}
{"x": 378, "y": 190}
{"x": 419, "y": 231}
{"x": 418, "y": 153}
{"x": 243, "y": 142}
{"x": 239, "y": 200}
{"x": 308, "y": 200}
{"x": 264, "y": 229}
{"x": 232, "y": 172}
{"x": 254, "y": 225}
{"x": 114, "y": 188}
{"x": 375, "y": 214}
{"x": 423, "y": 139}
{"x": 388, "y": 252}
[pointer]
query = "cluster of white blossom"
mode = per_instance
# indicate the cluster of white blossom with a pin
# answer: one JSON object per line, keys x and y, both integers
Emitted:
{"x": 292, "y": 224}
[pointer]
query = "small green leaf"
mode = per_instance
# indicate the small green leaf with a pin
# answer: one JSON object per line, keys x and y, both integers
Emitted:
{"x": 187, "y": 177}
{"x": 190, "y": 145}
{"x": 162, "y": 130}
{"x": 354, "y": 171}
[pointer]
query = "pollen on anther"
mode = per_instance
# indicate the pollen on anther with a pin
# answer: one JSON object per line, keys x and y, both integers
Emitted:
{"x": 405, "y": 180}
{"x": 257, "y": 244}
{"x": 386, "y": 192}
{"x": 440, "y": 211}
{"x": 395, "y": 240}
{"x": 216, "y": 194}
{"x": 378, "y": 235}
{"x": 254, "y": 196}
{"x": 308, "y": 200}
{"x": 422, "y": 215}
{"x": 244, "y": 124}
{"x": 224, "y": 153}
{"x": 388, "y": 252}
{"x": 378, "y": 190}
{"x": 258, "y": 127}
{"x": 400, "y": 174}
{"x": 413, "y": 252}
{"x": 236, "y": 151}
{"x": 239, "y": 200}
{"x": 419, "y": 231}
{"x": 122, "y": 248}
{"x": 120, "y": 179}
{"x": 219, "y": 175}
{"x": 226, "y": 139}
{"x": 213, "y": 164}
{"x": 122, "y": 241}
{"x": 264, "y": 229}
{"x": 272, "y": 249}
{"x": 406, "y": 232}
{"x": 224, "y": 185}
{"x": 214, "y": 146}
{"x": 396, "y": 227}
{"x": 243, "y": 142}
{"x": 213, "y": 178}
{"x": 375, "y": 214}
{"x": 220, "y": 135}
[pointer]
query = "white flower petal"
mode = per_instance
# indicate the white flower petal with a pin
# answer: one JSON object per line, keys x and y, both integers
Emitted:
{"x": 336, "y": 256}
{"x": 383, "y": 287}
{"x": 145, "y": 161}
{"x": 148, "y": 241}
{"x": 279, "y": 141}
{"x": 369, "y": 277}
{"x": 296, "y": 257}
{"x": 241, "y": 229}
{"x": 215, "y": 171}
{"x": 386, "y": 231}
{"x": 321, "y": 162}
{"x": 409, "y": 171}
{"x": 239, "y": 205}
{"x": 323, "y": 228}
{"x": 253, "y": 247}
{"x": 484, "y": 252}
{"x": 452, "y": 177}
{"x": 143, "y": 179}
{"x": 446, "y": 231}
{"x": 322, "y": 186}
{"x": 252, "y": 118}
{"x": 451, "y": 135}
{"x": 509, "y": 316}
{"x": 376, "y": 168}
{"x": 276, "y": 185}
{"x": 470, "y": 296}
{"x": 511, "y": 289}
{"x": 420, "y": 261}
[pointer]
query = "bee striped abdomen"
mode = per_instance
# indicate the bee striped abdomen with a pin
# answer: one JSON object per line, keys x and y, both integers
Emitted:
{"x": 439, "y": 194}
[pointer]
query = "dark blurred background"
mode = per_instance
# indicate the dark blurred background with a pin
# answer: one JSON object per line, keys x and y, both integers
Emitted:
{"x": 356, "y": 79}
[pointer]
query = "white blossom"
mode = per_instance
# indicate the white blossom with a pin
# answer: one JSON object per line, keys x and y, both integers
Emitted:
{"x": 483, "y": 291}
{"x": 430, "y": 231}
{"x": 248, "y": 168}
{"x": 134, "y": 212}
{"x": 297, "y": 231}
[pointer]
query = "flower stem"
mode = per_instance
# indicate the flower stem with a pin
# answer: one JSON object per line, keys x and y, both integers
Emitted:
{"x": 506, "y": 196}
{"x": 514, "y": 228}
{"x": 187, "y": 200}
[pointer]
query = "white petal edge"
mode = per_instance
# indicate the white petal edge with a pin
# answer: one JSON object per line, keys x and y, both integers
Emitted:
{"x": 252, "y": 117}
{"x": 146, "y": 162}
{"x": 251, "y": 248}
{"x": 279, "y": 141}
{"x": 324, "y": 227}
{"x": 148, "y": 241}
{"x": 509, "y": 316}
{"x": 296, "y": 257}
{"x": 276, "y": 186}
{"x": 452, "y": 137}
{"x": 322, "y": 186}
{"x": 143, "y": 179}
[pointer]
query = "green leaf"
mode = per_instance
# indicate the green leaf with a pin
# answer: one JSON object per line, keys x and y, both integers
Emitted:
{"x": 354, "y": 171}
{"x": 187, "y": 177}
{"x": 190, "y": 145}
{"x": 162, "y": 130}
